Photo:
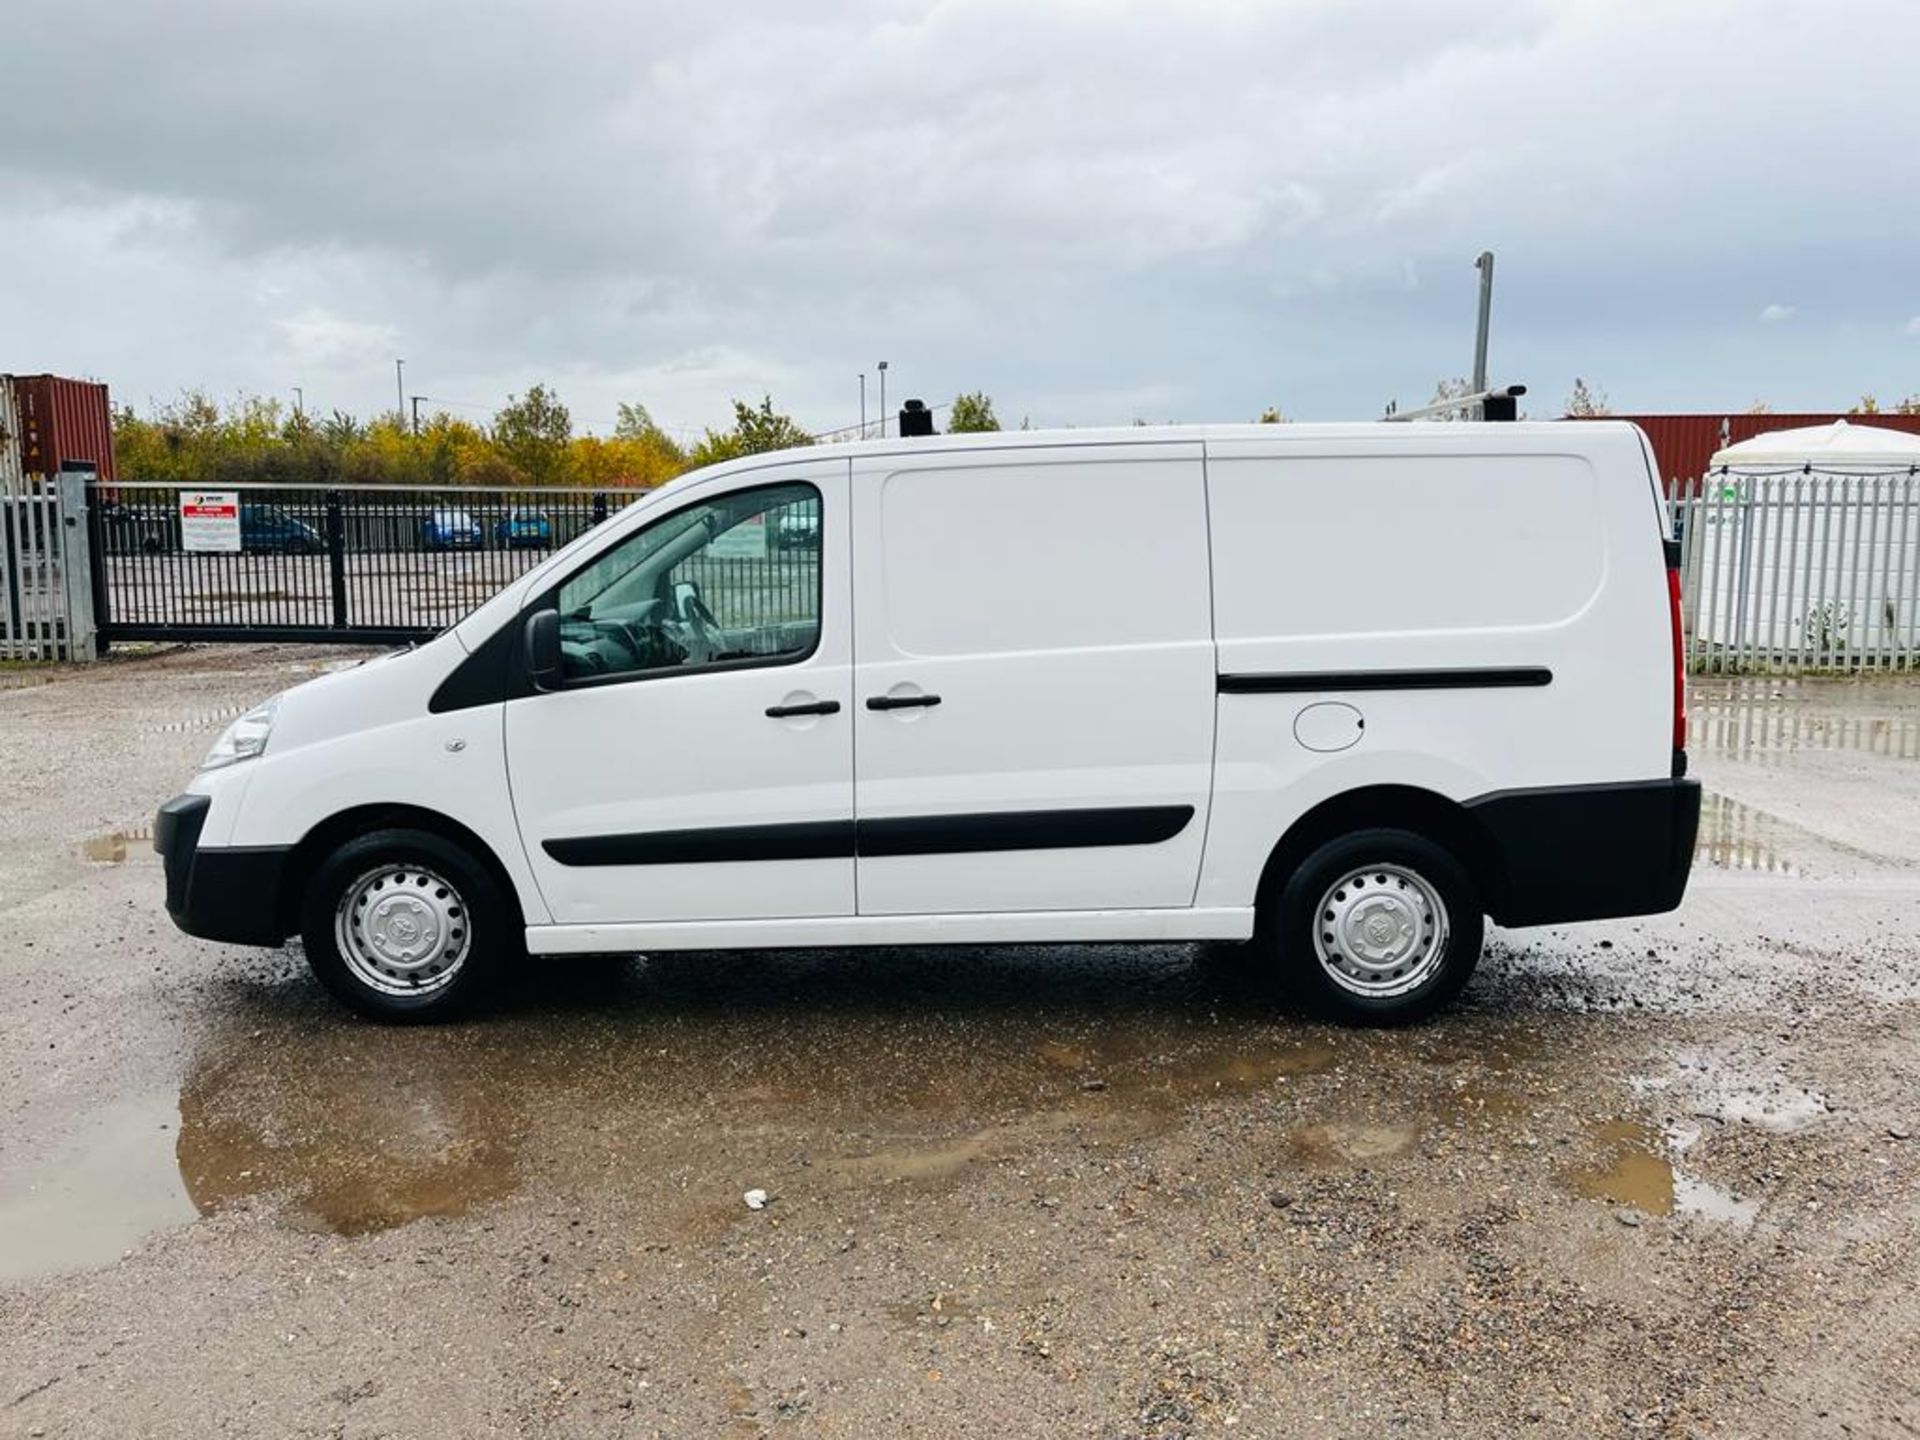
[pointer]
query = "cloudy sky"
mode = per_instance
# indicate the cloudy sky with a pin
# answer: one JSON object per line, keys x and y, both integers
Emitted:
{"x": 1096, "y": 211}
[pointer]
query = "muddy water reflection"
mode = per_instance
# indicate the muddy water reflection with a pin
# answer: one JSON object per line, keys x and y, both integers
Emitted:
{"x": 1737, "y": 837}
{"x": 344, "y": 1142}
{"x": 1734, "y": 836}
{"x": 1630, "y": 1169}
{"x": 1633, "y": 1165}
{"x": 1766, "y": 721}
{"x": 685, "y": 1082}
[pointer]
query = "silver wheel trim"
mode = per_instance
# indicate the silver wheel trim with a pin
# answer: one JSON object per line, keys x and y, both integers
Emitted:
{"x": 1380, "y": 931}
{"x": 402, "y": 930}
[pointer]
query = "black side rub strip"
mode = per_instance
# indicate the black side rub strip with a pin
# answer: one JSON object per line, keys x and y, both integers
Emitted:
{"x": 1027, "y": 830}
{"x": 1301, "y": 681}
{"x": 805, "y": 840}
{"x": 914, "y": 835}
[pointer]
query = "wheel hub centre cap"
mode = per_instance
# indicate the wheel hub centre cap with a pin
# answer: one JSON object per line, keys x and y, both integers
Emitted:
{"x": 403, "y": 929}
{"x": 1382, "y": 931}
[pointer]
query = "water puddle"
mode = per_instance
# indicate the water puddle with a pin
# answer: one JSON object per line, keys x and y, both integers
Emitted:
{"x": 679, "y": 1085}
{"x": 347, "y": 1148}
{"x": 92, "y": 1199}
{"x": 1352, "y": 1144}
{"x": 109, "y": 849}
{"x": 1634, "y": 1166}
{"x": 1766, "y": 722}
{"x": 1693, "y": 1196}
{"x": 1734, "y": 836}
{"x": 1739, "y": 1094}
{"x": 1737, "y": 837}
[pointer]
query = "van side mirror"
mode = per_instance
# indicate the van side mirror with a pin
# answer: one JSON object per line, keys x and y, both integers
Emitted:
{"x": 542, "y": 637}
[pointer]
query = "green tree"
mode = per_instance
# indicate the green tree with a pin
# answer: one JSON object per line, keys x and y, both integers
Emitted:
{"x": 971, "y": 413}
{"x": 531, "y": 433}
{"x": 755, "y": 432}
{"x": 1273, "y": 415}
{"x": 636, "y": 422}
{"x": 340, "y": 430}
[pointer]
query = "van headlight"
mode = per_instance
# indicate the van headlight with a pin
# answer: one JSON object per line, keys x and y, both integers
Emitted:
{"x": 245, "y": 738}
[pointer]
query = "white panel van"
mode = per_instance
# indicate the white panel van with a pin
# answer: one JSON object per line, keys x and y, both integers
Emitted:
{"x": 1342, "y": 691}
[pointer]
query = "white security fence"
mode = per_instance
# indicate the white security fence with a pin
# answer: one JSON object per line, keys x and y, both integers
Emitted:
{"x": 1800, "y": 571}
{"x": 46, "y": 598}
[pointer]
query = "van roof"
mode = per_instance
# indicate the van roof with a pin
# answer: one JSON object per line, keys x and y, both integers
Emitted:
{"x": 1426, "y": 433}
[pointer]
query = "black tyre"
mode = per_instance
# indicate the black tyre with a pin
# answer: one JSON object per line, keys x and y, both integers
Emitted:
{"x": 1380, "y": 927}
{"x": 405, "y": 925}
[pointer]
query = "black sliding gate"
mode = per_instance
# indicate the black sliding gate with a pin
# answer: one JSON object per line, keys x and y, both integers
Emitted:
{"x": 366, "y": 564}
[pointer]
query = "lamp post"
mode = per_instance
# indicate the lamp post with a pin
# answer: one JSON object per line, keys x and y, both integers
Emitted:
{"x": 299, "y": 401}
{"x": 863, "y": 405}
{"x": 883, "y": 399}
{"x": 1484, "y": 264}
{"x": 399, "y": 388}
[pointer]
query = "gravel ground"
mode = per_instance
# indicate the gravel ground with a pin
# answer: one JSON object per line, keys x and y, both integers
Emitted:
{"x": 1652, "y": 1177}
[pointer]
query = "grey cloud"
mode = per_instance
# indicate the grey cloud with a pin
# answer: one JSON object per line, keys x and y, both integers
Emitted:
{"x": 1088, "y": 208}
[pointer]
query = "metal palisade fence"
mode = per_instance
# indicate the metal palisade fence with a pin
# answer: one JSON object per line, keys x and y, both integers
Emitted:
{"x": 1800, "y": 571}
{"x": 44, "y": 583}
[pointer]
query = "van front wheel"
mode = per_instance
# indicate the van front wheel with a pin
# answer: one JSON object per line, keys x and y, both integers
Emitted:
{"x": 1380, "y": 927}
{"x": 404, "y": 925}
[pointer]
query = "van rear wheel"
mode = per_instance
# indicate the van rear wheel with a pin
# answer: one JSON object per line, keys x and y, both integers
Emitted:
{"x": 405, "y": 925}
{"x": 1380, "y": 927}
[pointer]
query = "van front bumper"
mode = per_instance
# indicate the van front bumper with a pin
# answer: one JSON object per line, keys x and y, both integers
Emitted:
{"x": 221, "y": 893}
{"x": 1589, "y": 852}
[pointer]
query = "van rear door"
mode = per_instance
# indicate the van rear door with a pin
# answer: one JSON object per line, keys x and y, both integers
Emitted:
{"x": 1034, "y": 679}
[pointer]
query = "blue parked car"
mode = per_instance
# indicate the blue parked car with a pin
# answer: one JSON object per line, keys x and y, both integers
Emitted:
{"x": 268, "y": 527}
{"x": 451, "y": 530}
{"x": 524, "y": 529}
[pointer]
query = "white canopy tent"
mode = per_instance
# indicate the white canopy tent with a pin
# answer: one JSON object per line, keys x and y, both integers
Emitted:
{"x": 1806, "y": 547}
{"x": 1842, "y": 445}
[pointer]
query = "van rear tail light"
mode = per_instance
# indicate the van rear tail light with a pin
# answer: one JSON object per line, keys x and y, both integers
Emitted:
{"x": 1679, "y": 648}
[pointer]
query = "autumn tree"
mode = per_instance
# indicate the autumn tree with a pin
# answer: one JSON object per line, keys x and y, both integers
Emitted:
{"x": 1272, "y": 415}
{"x": 640, "y": 455}
{"x": 756, "y": 430}
{"x": 971, "y": 413}
{"x": 532, "y": 432}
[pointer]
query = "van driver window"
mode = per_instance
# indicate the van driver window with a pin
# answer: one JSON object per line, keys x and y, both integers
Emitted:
{"x": 728, "y": 582}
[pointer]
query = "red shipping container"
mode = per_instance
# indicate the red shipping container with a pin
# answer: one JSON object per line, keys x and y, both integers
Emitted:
{"x": 1684, "y": 445}
{"x": 63, "y": 421}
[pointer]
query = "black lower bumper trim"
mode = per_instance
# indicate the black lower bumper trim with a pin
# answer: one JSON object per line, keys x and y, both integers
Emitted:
{"x": 1589, "y": 852}
{"x": 229, "y": 893}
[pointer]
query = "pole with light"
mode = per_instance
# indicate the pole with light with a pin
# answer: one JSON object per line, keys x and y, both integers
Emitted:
{"x": 883, "y": 399}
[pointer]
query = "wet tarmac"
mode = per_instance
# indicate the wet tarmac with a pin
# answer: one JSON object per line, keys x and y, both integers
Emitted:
{"x": 1119, "y": 1190}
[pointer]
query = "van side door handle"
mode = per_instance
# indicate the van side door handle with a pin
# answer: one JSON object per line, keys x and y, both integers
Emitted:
{"x": 812, "y": 707}
{"x": 901, "y": 702}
